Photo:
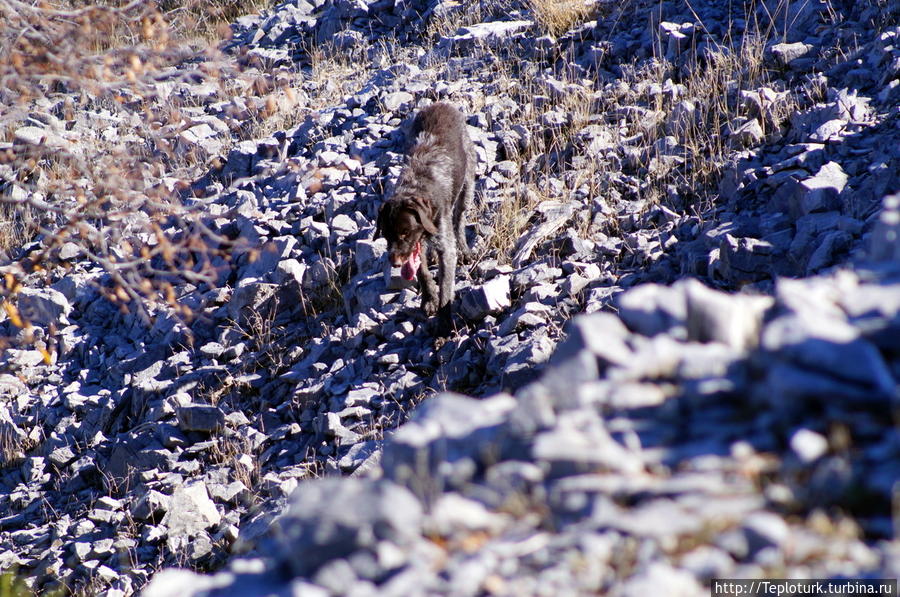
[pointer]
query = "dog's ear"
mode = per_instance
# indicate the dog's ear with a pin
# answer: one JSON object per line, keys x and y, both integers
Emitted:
{"x": 383, "y": 215}
{"x": 424, "y": 214}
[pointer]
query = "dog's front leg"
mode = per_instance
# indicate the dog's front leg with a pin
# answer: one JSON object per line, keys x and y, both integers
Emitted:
{"x": 427, "y": 286}
{"x": 447, "y": 276}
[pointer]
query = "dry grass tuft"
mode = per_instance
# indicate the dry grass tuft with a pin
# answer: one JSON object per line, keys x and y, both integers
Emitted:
{"x": 335, "y": 73}
{"x": 451, "y": 16}
{"x": 708, "y": 104}
{"x": 558, "y": 16}
{"x": 512, "y": 218}
{"x": 207, "y": 21}
{"x": 17, "y": 227}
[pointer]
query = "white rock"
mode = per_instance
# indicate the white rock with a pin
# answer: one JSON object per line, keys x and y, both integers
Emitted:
{"x": 490, "y": 297}
{"x": 191, "y": 511}
{"x": 820, "y": 192}
{"x": 43, "y": 306}
{"x": 808, "y": 445}
{"x": 734, "y": 320}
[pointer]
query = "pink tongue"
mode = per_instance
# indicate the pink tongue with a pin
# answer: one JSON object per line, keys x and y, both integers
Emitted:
{"x": 408, "y": 271}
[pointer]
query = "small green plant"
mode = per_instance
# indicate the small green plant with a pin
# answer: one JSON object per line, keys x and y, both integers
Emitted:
{"x": 13, "y": 583}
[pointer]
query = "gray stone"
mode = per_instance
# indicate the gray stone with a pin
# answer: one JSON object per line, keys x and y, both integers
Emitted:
{"x": 251, "y": 299}
{"x": 330, "y": 425}
{"x": 747, "y": 134}
{"x": 368, "y": 252}
{"x": 200, "y": 137}
{"x": 848, "y": 105}
{"x": 289, "y": 271}
{"x": 447, "y": 430}
{"x": 601, "y": 334}
{"x": 268, "y": 257}
{"x": 651, "y": 309}
{"x": 832, "y": 349}
{"x": 343, "y": 225}
{"x": 43, "y": 306}
{"x": 177, "y": 582}
{"x": 830, "y": 246}
{"x": 714, "y": 316}
{"x": 139, "y": 453}
{"x": 212, "y": 349}
{"x": 677, "y": 37}
{"x": 33, "y": 135}
{"x": 659, "y": 578}
{"x": 69, "y": 251}
{"x": 830, "y": 130}
{"x": 329, "y": 519}
{"x": 786, "y": 53}
{"x": 397, "y": 100}
{"x": 764, "y": 529}
{"x": 579, "y": 443}
{"x": 21, "y": 359}
{"x": 359, "y": 454}
{"x": 524, "y": 361}
{"x": 488, "y": 32}
{"x": 820, "y": 192}
{"x": 150, "y": 503}
{"x": 810, "y": 228}
{"x": 200, "y": 417}
{"x": 786, "y": 382}
{"x": 555, "y": 214}
{"x": 745, "y": 259}
{"x": 764, "y": 104}
{"x": 453, "y": 514}
{"x": 490, "y": 297}
{"x": 190, "y": 511}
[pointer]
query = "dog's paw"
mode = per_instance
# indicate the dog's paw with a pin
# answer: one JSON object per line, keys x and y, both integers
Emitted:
{"x": 429, "y": 306}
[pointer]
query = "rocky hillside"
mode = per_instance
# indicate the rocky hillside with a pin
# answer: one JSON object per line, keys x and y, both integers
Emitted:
{"x": 679, "y": 331}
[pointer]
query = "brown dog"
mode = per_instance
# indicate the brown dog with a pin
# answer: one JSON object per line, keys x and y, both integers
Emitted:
{"x": 426, "y": 210}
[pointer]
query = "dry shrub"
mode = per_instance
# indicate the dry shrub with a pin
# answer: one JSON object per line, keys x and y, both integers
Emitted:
{"x": 122, "y": 199}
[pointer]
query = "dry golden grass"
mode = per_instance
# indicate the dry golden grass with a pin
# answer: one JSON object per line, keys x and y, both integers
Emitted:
{"x": 512, "y": 218}
{"x": 558, "y": 16}
{"x": 17, "y": 226}
{"x": 554, "y": 152}
{"x": 452, "y": 17}
{"x": 552, "y": 125}
{"x": 207, "y": 21}
{"x": 712, "y": 88}
{"x": 334, "y": 73}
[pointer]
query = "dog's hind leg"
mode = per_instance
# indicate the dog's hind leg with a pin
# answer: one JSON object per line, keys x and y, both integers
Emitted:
{"x": 462, "y": 205}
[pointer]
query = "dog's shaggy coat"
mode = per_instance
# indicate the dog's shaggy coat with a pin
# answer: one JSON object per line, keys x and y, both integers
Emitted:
{"x": 431, "y": 197}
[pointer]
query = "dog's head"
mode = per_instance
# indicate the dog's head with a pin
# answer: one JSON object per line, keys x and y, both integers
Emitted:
{"x": 404, "y": 223}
